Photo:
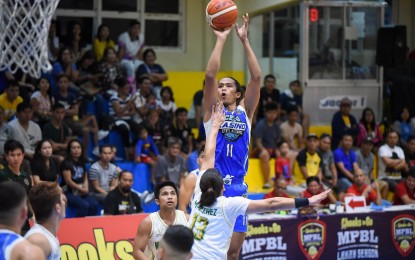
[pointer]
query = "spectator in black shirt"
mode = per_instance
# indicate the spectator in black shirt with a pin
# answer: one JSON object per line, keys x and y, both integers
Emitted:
{"x": 269, "y": 94}
{"x": 44, "y": 166}
{"x": 122, "y": 200}
{"x": 181, "y": 130}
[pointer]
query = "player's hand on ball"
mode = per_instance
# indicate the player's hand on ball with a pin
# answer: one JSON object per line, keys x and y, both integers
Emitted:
{"x": 222, "y": 34}
{"x": 319, "y": 197}
{"x": 218, "y": 115}
{"x": 242, "y": 31}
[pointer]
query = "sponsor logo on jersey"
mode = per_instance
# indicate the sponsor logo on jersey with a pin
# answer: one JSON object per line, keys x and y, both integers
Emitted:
{"x": 312, "y": 238}
{"x": 232, "y": 128}
{"x": 403, "y": 227}
{"x": 228, "y": 179}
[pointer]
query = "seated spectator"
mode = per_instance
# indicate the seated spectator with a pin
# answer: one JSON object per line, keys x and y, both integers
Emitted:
{"x": 65, "y": 64}
{"x": 168, "y": 107}
{"x": 146, "y": 151}
{"x": 193, "y": 161}
{"x": 314, "y": 187}
{"x": 171, "y": 166}
{"x": 151, "y": 102}
{"x": 74, "y": 40}
{"x": 75, "y": 181}
{"x": 292, "y": 131}
{"x": 280, "y": 188}
{"x": 409, "y": 152}
{"x": 53, "y": 41}
{"x": 181, "y": 130}
{"x": 140, "y": 99}
{"x": 24, "y": 130}
{"x": 122, "y": 200}
{"x": 152, "y": 124}
{"x": 368, "y": 127}
{"x": 196, "y": 109}
{"x": 151, "y": 69}
{"x": 269, "y": 95}
{"x": 110, "y": 70}
{"x": 404, "y": 126}
{"x": 343, "y": 123}
{"x": 309, "y": 160}
{"x": 42, "y": 102}
{"x": 5, "y": 131}
{"x": 102, "y": 41}
{"x": 103, "y": 174}
{"x": 359, "y": 188}
{"x": 122, "y": 110}
{"x": 26, "y": 84}
{"x": 44, "y": 166}
{"x": 283, "y": 168}
{"x": 130, "y": 48}
{"x": 391, "y": 161}
{"x": 405, "y": 190}
{"x": 346, "y": 164}
{"x": 365, "y": 158}
{"x": 293, "y": 98}
{"x": 85, "y": 126}
{"x": 57, "y": 131}
{"x": 10, "y": 99}
{"x": 329, "y": 171}
{"x": 266, "y": 135}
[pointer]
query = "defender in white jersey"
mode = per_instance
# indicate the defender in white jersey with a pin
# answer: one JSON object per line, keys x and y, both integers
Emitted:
{"x": 152, "y": 228}
{"x": 49, "y": 207}
{"x": 213, "y": 216}
{"x": 13, "y": 212}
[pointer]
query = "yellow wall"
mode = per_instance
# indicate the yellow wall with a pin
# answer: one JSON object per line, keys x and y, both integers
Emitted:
{"x": 185, "y": 84}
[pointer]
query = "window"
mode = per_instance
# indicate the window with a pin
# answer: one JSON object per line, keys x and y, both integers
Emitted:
{"x": 162, "y": 20}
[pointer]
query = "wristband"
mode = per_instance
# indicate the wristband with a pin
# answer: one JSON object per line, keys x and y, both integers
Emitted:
{"x": 301, "y": 202}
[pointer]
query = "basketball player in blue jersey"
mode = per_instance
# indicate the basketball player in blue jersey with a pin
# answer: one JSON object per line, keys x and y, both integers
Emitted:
{"x": 231, "y": 157}
{"x": 13, "y": 212}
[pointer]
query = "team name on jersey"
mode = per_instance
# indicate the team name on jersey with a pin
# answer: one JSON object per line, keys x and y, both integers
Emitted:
{"x": 232, "y": 128}
{"x": 205, "y": 210}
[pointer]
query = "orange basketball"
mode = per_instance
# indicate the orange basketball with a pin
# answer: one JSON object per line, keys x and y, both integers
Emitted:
{"x": 221, "y": 14}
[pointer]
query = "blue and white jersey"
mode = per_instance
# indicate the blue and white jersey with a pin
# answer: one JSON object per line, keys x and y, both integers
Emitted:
{"x": 232, "y": 145}
{"x": 8, "y": 240}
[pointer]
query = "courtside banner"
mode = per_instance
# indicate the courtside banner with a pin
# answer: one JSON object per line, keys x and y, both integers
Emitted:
{"x": 109, "y": 237}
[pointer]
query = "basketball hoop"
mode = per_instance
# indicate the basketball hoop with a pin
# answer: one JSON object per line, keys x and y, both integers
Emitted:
{"x": 24, "y": 29}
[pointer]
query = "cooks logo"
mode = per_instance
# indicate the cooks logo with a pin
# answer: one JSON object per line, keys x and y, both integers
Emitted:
{"x": 312, "y": 238}
{"x": 403, "y": 230}
{"x": 233, "y": 127}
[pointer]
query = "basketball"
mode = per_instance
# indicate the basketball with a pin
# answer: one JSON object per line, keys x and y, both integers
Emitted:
{"x": 221, "y": 14}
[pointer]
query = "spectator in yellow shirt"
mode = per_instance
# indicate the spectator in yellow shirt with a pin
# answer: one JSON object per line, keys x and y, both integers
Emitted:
{"x": 102, "y": 41}
{"x": 10, "y": 99}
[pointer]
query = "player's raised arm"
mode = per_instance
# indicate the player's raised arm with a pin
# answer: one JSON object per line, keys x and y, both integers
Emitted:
{"x": 254, "y": 84}
{"x": 212, "y": 69}
{"x": 218, "y": 117}
{"x": 279, "y": 203}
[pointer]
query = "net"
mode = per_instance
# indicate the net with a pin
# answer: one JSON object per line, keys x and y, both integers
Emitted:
{"x": 24, "y": 28}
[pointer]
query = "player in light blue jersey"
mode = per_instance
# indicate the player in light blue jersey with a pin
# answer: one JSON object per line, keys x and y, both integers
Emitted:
{"x": 231, "y": 157}
{"x": 13, "y": 212}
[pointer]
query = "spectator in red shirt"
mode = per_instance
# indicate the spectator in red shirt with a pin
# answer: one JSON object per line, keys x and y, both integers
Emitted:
{"x": 282, "y": 163}
{"x": 314, "y": 187}
{"x": 405, "y": 190}
{"x": 360, "y": 188}
{"x": 280, "y": 189}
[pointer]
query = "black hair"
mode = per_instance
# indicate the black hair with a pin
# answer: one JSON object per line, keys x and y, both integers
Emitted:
{"x": 291, "y": 109}
{"x": 271, "y": 106}
{"x": 148, "y": 51}
{"x": 410, "y": 138}
{"x": 162, "y": 185}
{"x": 179, "y": 237}
{"x": 49, "y": 92}
{"x": 134, "y": 22}
{"x": 61, "y": 51}
{"x": 82, "y": 158}
{"x": 281, "y": 142}
{"x": 57, "y": 105}
{"x": 325, "y": 135}
{"x": 122, "y": 173}
{"x": 105, "y": 54}
{"x": 211, "y": 185}
{"x": 11, "y": 145}
{"x": 372, "y": 124}
{"x": 142, "y": 78}
{"x": 180, "y": 110}
{"x": 102, "y": 147}
{"x": 121, "y": 82}
{"x": 22, "y": 106}
{"x": 268, "y": 77}
{"x": 62, "y": 75}
{"x": 12, "y": 83}
{"x": 12, "y": 195}
{"x": 346, "y": 134}
{"x": 295, "y": 82}
{"x": 98, "y": 36}
{"x": 168, "y": 89}
{"x": 88, "y": 55}
{"x": 311, "y": 179}
{"x": 38, "y": 149}
{"x": 411, "y": 172}
{"x": 200, "y": 150}
{"x": 409, "y": 112}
